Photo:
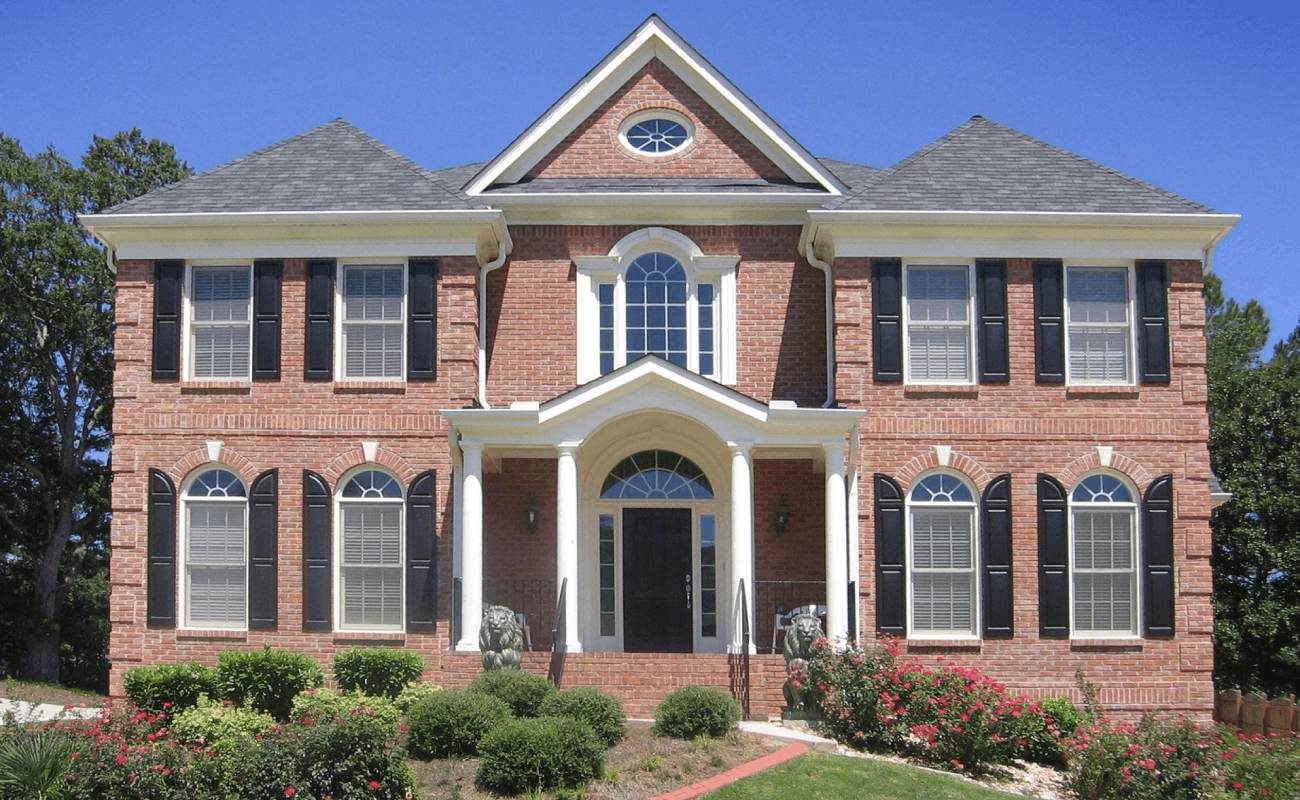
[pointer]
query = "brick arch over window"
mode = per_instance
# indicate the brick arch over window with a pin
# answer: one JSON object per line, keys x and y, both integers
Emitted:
{"x": 1090, "y": 462}
{"x": 229, "y": 458}
{"x": 356, "y": 457}
{"x": 957, "y": 462}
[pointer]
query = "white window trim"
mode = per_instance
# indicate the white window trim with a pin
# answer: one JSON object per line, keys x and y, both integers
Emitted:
{"x": 339, "y": 503}
{"x": 972, "y": 366}
{"x": 1135, "y": 551}
{"x": 340, "y": 351}
{"x": 592, "y": 271}
{"x": 187, "y": 311}
{"x": 656, "y": 113}
{"x": 183, "y": 561}
{"x": 976, "y": 593}
{"x": 1130, "y": 366}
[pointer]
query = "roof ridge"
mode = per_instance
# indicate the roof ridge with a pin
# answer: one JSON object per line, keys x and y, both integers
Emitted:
{"x": 402, "y": 160}
{"x": 223, "y": 166}
{"x": 907, "y": 161}
{"x": 1098, "y": 165}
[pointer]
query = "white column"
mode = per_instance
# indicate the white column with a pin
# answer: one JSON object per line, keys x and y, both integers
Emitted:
{"x": 566, "y": 542}
{"x": 742, "y": 545}
{"x": 471, "y": 547}
{"x": 837, "y": 567}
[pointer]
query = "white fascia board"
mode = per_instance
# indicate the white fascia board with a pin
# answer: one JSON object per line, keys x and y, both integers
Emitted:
{"x": 305, "y": 234}
{"x": 951, "y": 234}
{"x": 653, "y": 40}
{"x": 650, "y": 208}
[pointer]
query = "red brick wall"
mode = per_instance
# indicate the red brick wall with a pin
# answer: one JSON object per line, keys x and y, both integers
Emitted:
{"x": 1025, "y": 428}
{"x": 593, "y": 149}
{"x": 781, "y": 319}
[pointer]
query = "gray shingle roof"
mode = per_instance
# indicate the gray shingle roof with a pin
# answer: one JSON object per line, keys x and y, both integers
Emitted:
{"x": 850, "y": 174}
{"x": 334, "y": 167}
{"x": 984, "y": 166}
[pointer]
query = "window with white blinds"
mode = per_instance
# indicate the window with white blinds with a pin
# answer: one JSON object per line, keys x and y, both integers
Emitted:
{"x": 939, "y": 324}
{"x": 374, "y": 312}
{"x": 220, "y": 315}
{"x": 216, "y": 542}
{"x": 1103, "y": 557}
{"x": 1099, "y": 330}
{"x": 941, "y": 526}
{"x": 370, "y": 552}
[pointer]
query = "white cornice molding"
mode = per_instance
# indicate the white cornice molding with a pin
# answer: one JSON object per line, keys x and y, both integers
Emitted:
{"x": 1013, "y": 234}
{"x": 304, "y": 234}
{"x": 658, "y": 208}
{"x": 654, "y": 39}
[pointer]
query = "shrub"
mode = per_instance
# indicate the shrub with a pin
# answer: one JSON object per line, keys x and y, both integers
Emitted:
{"x": 696, "y": 711}
{"x": 1157, "y": 759}
{"x": 530, "y": 755}
{"x": 377, "y": 672}
{"x": 601, "y": 712}
{"x": 413, "y": 693}
{"x": 327, "y": 705}
{"x": 452, "y": 723}
{"x": 221, "y": 728}
{"x": 343, "y": 760}
{"x": 34, "y": 764}
{"x": 170, "y": 687}
{"x": 524, "y": 692}
{"x": 268, "y": 680}
{"x": 1254, "y": 764}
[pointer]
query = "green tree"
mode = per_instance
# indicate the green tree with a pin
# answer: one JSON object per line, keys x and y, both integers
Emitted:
{"x": 56, "y": 336}
{"x": 1255, "y": 450}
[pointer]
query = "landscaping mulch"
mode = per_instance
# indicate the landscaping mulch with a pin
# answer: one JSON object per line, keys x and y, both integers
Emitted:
{"x": 12, "y": 689}
{"x": 641, "y": 766}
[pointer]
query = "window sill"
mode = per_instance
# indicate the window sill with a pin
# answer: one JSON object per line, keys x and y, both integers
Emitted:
{"x": 1126, "y": 391}
{"x": 1133, "y": 645}
{"x": 211, "y": 635}
{"x": 370, "y": 387}
{"x": 216, "y": 387}
{"x": 360, "y": 637}
{"x": 961, "y": 390}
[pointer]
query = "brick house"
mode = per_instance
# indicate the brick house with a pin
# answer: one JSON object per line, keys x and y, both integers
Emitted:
{"x": 652, "y": 376}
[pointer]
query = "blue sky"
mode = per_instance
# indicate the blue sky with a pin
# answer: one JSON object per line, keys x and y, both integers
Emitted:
{"x": 1199, "y": 98}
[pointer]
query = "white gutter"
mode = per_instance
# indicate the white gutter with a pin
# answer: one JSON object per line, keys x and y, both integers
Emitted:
{"x": 830, "y": 320}
{"x": 502, "y": 252}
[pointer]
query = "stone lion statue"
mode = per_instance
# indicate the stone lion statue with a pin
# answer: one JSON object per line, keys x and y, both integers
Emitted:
{"x": 500, "y": 639}
{"x": 799, "y": 637}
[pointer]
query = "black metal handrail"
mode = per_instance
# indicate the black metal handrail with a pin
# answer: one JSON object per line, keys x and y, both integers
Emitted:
{"x": 558, "y": 635}
{"x": 745, "y": 638}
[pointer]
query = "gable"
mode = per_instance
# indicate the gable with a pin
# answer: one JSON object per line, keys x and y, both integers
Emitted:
{"x": 717, "y": 151}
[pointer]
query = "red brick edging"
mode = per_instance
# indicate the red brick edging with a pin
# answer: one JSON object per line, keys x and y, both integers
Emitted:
{"x": 768, "y": 761}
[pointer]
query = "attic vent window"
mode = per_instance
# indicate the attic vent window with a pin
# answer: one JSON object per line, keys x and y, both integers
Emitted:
{"x": 657, "y": 132}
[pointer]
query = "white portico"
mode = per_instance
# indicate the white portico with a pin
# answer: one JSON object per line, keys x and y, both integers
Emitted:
{"x": 654, "y": 505}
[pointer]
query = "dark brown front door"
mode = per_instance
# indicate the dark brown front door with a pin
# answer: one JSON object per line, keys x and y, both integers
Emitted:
{"x": 657, "y": 580}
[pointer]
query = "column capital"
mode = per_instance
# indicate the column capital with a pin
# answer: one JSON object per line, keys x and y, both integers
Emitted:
{"x": 834, "y": 451}
{"x": 471, "y": 447}
{"x": 740, "y": 448}
{"x": 567, "y": 448}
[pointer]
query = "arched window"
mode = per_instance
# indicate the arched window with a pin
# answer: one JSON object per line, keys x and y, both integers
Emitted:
{"x": 941, "y": 555}
{"x": 216, "y": 550}
{"x": 370, "y": 552}
{"x": 656, "y": 475}
{"x": 1103, "y": 556}
{"x": 656, "y": 293}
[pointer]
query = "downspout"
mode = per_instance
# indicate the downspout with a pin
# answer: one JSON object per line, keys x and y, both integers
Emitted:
{"x": 830, "y": 321}
{"x": 502, "y": 253}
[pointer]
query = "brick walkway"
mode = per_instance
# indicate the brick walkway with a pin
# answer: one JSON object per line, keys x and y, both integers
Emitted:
{"x": 768, "y": 761}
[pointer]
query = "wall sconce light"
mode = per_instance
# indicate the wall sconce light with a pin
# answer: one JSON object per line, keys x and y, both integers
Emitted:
{"x": 532, "y": 515}
{"x": 783, "y": 515}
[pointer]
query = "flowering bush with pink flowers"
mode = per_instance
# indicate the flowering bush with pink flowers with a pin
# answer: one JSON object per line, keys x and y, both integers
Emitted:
{"x": 949, "y": 715}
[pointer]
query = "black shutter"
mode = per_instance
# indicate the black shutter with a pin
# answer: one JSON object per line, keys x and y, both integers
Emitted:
{"x": 422, "y": 554}
{"x": 320, "y": 319}
{"x": 887, "y": 318}
{"x": 1053, "y": 558}
{"x": 1158, "y": 557}
{"x": 991, "y": 306}
{"x": 1049, "y": 321}
{"x": 167, "y": 276}
{"x": 891, "y": 565}
{"x": 422, "y": 327}
{"x": 995, "y": 553}
{"x": 1153, "y": 322}
{"x": 263, "y": 541}
{"x": 317, "y": 553}
{"x": 267, "y": 275}
{"x": 162, "y": 551}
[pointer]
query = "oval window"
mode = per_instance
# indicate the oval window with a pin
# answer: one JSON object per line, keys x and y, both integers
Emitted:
{"x": 656, "y": 133}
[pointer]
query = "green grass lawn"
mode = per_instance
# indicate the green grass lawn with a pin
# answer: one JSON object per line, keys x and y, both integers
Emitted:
{"x": 821, "y": 775}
